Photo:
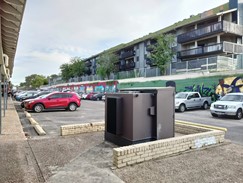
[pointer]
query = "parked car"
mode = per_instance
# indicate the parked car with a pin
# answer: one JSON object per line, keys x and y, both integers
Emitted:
{"x": 97, "y": 96}
{"x": 103, "y": 98}
{"x": 229, "y": 105}
{"x": 84, "y": 95}
{"x": 190, "y": 100}
{"x": 57, "y": 100}
{"x": 34, "y": 96}
{"x": 25, "y": 95}
{"x": 88, "y": 97}
{"x": 17, "y": 93}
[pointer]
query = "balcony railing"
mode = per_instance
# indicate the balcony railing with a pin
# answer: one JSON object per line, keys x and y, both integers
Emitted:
{"x": 225, "y": 47}
{"x": 127, "y": 54}
{"x": 211, "y": 29}
{"x": 218, "y": 63}
{"x": 232, "y": 48}
{"x": 216, "y": 48}
{"x": 150, "y": 62}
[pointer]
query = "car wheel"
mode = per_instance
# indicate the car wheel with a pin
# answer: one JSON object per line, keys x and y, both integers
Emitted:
{"x": 238, "y": 114}
{"x": 22, "y": 104}
{"x": 205, "y": 105}
{"x": 214, "y": 115}
{"x": 38, "y": 108}
{"x": 72, "y": 107}
{"x": 182, "y": 108}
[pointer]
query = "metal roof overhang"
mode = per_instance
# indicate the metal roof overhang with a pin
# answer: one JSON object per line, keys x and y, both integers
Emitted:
{"x": 11, "y": 13}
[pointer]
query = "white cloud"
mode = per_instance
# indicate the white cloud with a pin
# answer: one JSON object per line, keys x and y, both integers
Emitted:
{"x": 54, "y": 31}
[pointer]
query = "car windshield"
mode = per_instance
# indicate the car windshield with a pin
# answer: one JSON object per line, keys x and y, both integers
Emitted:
{"x": 181, "y": 95}
{"x": 234, "y": 98}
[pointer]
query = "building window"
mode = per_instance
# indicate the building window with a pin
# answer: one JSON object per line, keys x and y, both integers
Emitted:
{"x": 137, "y": 58}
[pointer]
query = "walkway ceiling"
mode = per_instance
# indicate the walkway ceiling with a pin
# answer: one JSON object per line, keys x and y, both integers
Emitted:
{"x": 11, "y": 12}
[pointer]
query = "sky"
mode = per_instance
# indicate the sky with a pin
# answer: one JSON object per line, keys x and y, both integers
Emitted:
{"x": 54, "y": 31}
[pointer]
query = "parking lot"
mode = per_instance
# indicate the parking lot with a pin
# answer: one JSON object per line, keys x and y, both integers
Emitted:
{"x": 94, "y": 111}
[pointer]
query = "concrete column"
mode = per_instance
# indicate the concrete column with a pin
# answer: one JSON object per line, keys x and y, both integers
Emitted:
{"x": 240, "y": 12}
{"x": 218, "y": 38}
{"x": 220, "y": 18}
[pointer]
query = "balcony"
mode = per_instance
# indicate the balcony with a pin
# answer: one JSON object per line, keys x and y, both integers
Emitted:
{"x": 127, "y": 54}
{"x": 88, "y": 64}
{"x": 130, "y": 65}
{"x": 87, "y": 71}
{"x": 215, "y": 63}
{"x": 149, "y": 48}
{"x": 209, "y": 30}
{"x": 150, "y": 62}
{"x": 122, "y": 67}
{"x": 225, "y": 47}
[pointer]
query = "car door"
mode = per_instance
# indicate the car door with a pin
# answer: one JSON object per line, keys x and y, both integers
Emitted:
{"x": 189, "y": 101}
{"x": 197, "y": 100}
{"x": 194, "y": 100}
{"x": 64, "y": 100}
{"x": 53, "y": 101}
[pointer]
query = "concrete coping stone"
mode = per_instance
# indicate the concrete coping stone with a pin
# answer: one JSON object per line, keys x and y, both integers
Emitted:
{"x": 200, "y": 125}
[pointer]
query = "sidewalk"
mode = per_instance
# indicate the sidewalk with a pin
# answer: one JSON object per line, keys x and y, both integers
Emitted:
{"x": 11, "y": 127}
{"x": 14, "y": 165}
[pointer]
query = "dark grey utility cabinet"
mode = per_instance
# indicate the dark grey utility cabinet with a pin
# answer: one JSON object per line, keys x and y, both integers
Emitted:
{"x": 136, "y": 115}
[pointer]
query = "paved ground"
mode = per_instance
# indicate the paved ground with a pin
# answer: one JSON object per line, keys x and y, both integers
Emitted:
{"x": 88, "y": 158}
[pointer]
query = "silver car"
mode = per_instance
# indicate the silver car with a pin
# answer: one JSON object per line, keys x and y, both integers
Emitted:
{"x": 230, "y": 105}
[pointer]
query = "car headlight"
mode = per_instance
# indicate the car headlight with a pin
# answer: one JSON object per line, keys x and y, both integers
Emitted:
{"x": 177, "y": 102}
{"x": 230, "y": 107}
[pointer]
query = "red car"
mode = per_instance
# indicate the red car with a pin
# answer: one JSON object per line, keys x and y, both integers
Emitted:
{"x": 88, "y": 97}
{"x": 58, "y": 100}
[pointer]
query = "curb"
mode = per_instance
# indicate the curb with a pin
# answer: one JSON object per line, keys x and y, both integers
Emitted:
{"x": 201, "y": 125}
{"x": 36, "y": 125}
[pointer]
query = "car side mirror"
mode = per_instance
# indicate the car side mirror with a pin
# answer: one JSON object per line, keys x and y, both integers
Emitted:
{"x": 188, "y": 98}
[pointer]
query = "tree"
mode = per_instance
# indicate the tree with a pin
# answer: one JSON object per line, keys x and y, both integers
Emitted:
{"x": 34, "y": 81}
{"x": 106, "y": 64}
{"x": 66, "y": 71}
{"x": 38, "y": 80}
{"x": 53, "y": 76}
{"x": 162, "y": 53}
{"x": 77, "y": 66}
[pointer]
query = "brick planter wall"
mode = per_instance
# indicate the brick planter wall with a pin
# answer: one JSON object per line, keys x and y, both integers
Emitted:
{"x": 201, "y": 137}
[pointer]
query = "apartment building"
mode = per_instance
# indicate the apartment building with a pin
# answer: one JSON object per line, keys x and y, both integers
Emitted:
{"x": 209, "y": 41}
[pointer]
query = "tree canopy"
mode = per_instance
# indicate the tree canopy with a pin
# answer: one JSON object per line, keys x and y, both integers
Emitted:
{"x": 162, "y": 53}
{"x": 66, "y": 71}
{"x": 106, "y": 64}
{"x": 34, "y": 81}
{"x": 75, "y": 68}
